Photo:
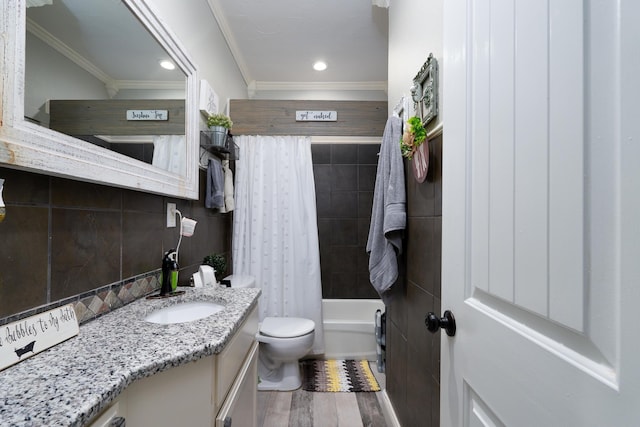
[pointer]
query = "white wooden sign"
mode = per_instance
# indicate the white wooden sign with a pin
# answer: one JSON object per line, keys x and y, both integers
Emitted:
{"x": 27, "y": 337}
{"x": 147, "y": 115}
{"x": 208, "y": 99}
{"x": 316, "y": 116}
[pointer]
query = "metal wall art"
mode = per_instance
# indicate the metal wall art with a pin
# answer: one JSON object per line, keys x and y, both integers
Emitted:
{"x": 425, "y": 90}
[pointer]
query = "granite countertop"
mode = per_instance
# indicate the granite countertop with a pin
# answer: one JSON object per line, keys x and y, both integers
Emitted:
{"x": 69, "y": 384}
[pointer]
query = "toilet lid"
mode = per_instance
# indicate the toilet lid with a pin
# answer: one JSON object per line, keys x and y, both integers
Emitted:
{"x": 286, "y": 327}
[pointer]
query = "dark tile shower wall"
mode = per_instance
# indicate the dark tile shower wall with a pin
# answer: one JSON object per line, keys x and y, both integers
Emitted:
{"x": 413, "y": 353}
{"x": 63, "y": 238}
{"x": 344, "y": 176}
{"x": 345, "y": 179}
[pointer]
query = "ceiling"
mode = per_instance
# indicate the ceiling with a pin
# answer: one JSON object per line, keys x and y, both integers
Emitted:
{"x": 103, "y": 37}
{"x": 275, "y": 43}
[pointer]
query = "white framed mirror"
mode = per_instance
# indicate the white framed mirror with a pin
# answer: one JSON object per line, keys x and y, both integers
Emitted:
{"x": 26, "y": 140}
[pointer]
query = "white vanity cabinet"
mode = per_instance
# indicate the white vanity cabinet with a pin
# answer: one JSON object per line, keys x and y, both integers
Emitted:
{"x": 208, "y": 392}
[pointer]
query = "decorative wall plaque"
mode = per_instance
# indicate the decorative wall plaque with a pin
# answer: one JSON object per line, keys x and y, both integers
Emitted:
{"x": 425, "y": 90}
{"x": 147, "y": 115}
{"x": 27, "y": 337}
{"x": 208, "y": 99}
{"x": 316, "y": 116}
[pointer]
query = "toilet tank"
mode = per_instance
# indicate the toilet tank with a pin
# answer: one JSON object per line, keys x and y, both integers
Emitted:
{"x": 241, "y": 280}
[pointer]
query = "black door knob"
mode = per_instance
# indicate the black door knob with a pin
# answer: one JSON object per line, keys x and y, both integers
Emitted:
{"x": 446, "y": 322}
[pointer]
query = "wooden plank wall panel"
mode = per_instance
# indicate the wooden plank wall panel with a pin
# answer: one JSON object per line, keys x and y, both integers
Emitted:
{"x": 269, "y": 117}
{"x": 109, "y": 117}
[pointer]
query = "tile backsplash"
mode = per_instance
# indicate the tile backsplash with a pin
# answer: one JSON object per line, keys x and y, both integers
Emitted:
{"x": 97, "y": 302}
{"x": 65, "y": 240}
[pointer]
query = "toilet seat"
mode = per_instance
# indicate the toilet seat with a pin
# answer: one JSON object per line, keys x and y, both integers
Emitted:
{"x": 286, "y": 327}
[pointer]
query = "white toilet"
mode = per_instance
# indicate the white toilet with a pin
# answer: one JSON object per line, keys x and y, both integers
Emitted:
{"x": 283, "y": 342}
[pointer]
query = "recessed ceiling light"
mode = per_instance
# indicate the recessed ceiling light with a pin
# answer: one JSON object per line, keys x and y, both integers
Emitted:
{"x": 320, "y": 66}
{"x": 167, "y": 65}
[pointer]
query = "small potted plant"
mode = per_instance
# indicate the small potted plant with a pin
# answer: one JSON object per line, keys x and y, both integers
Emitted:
{"x": 219, "y": 264}
{"x": 219, "y": 125}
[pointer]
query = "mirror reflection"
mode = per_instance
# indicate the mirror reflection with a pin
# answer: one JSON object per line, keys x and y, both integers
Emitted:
{"x": 94, "y": 72}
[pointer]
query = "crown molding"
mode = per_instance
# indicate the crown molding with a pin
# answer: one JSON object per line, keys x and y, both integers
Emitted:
{"x": 149, "y": 84}
{"x": 220, "y": 18}
{"x": 65, "y": 50}
{"x": 319, "y": 86}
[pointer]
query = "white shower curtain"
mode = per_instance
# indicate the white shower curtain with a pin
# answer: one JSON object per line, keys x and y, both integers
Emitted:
{"x": 275, "y": 232}
{"x": 170, "y": 153}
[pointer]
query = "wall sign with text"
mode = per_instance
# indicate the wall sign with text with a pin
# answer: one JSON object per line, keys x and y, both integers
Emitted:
{"x": 147, "y": 115}
{"x": 316, "y": 116}
{"x": 27, "y": 337}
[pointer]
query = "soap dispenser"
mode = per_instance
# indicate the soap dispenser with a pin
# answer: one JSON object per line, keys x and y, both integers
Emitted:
{"x": 169, "y": 276}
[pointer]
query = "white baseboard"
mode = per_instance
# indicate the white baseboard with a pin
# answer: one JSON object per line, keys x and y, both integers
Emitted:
{"x": 387, "y": 409}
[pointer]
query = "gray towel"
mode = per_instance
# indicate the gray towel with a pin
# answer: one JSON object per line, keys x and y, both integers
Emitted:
{"x": 214, "y": 197}
{"x": 388, "y": 215}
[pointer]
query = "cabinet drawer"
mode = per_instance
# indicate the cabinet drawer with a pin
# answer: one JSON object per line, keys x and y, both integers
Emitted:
{"x": 112, "y": 415}
{"x": 240, "y": 407}
{"x": 229, "y": 361}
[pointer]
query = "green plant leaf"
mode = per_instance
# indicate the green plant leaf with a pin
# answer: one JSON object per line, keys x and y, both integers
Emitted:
{"x": 417, "y": 129}
{"x": 218, "y": 262}
{"x": 219, "y": 120}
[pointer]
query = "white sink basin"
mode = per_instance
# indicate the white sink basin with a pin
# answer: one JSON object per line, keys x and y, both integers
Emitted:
{"x": 184, "y": 312}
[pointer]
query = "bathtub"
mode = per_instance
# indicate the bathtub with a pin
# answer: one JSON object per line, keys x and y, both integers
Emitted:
{"x": 349, "y": 328}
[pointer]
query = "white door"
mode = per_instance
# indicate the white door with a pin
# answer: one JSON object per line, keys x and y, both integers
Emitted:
{"x": 541, "y": 213}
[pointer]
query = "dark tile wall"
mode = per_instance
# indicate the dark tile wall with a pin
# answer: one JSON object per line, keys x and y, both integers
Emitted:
{"x": 345, "y": 177}
{"x": 62, "y": 238}
{"x": 413, "y": 353}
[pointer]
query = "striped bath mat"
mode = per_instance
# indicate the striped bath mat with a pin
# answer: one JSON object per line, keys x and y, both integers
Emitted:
{"x": 338, "y": 375}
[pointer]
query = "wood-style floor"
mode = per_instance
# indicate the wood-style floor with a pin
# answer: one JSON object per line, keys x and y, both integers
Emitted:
{"x": 301, "y": 408}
